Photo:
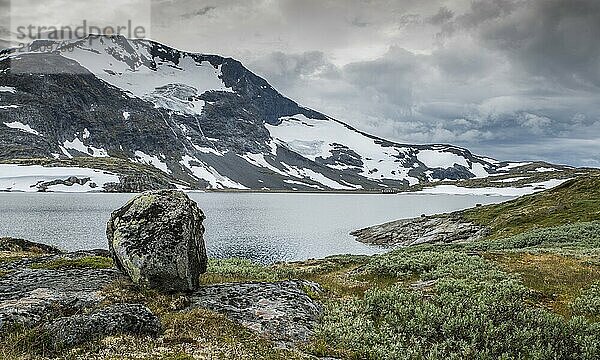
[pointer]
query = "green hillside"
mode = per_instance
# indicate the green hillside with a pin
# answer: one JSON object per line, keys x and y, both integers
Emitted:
{"x": 577, "y": 200}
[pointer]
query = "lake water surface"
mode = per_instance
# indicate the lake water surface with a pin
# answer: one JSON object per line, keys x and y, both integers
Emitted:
{"x": 264, "y": 227}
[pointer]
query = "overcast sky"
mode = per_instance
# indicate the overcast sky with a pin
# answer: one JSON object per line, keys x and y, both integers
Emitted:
{"x": 511, "y": 79}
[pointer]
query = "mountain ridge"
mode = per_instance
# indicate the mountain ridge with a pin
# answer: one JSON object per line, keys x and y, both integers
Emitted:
{"x": 204, "y": 121}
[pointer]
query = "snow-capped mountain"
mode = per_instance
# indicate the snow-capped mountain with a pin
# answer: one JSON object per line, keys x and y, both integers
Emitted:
{"x": 198, "y": 121}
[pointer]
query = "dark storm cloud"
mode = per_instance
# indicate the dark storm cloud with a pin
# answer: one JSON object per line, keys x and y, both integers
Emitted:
{"x": 554, "y": 39}
{"x": 393, "y": 78}
{"x": 486, "y": 10}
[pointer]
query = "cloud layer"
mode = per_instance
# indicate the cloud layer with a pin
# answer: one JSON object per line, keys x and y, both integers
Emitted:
{"x": 512, "y": 79}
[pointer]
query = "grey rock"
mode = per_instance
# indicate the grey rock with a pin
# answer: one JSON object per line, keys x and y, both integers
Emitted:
{"x": 281, "y": 311}
{"x": 157, "y": 240}
{"x": 66, "y": 302}
{"x": 133, "y": 319}
{"x": 70, "y": 181}
{"x": 138, "y": 182}
{"x": 29, "y": 296}
{"x": 428, "y": 229}
{"x": 21, "y": 245}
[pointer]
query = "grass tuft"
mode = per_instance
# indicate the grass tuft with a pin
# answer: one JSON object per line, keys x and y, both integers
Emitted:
{"x": 90, "y": 262}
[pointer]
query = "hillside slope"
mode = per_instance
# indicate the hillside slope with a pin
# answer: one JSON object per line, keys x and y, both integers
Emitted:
{"x": 576, "y": 200}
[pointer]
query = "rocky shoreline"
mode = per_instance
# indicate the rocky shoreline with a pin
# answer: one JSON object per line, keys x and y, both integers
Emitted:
{"x": 447, "y": 228}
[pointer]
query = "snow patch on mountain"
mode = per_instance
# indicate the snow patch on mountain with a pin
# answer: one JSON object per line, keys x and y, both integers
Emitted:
{"x": 322, "y": 179}
{"x": 512, "y": 165}
{"x": 446, "y": 159}
{"x": 545, "y": 169}
{"x": 440, "y": 159}
{"x": 209, "y": 174}
{"x": 144, "y": 158}
{"x": 301, "y": 173}
{"x": 294, "y": 182}
{"x": 23, "y": 127}
{"x": 131, "y": 67}
{"x": 206, "y": 150}
{"x": 8, "y": 89}
{"x": 78, "y": 145}
{"x": 259, "y": 160}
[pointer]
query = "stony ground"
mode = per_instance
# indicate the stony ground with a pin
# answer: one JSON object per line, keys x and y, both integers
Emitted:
{"x": 74, "y": 299}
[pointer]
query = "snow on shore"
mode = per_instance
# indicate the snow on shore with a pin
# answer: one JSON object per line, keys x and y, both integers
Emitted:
{"x": 25, "y": 178}
{"x": 494, "y": 191}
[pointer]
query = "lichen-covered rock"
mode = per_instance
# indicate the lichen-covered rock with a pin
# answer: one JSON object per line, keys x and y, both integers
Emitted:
{"x": 133, "y": 319}
{"x": 281, "y": 311}
{"x": 157, "y": 240}
{"x": 427, "y": 229}
{"x": 31, "y": 294}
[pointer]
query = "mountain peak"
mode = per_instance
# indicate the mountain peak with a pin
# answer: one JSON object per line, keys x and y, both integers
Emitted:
{"x": 204, "y": 121}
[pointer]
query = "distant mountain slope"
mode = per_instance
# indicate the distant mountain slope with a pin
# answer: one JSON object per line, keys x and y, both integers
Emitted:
{"x": 203, "y": 121}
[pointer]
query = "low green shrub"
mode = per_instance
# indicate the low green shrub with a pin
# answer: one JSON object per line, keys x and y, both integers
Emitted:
{"x": 472, "y": 310}
{"x": 588, "y": 302}
{"x": 430, "y": 263}
{"x": 240, "y": 269}
{"x": 459, "y": 321}
{"x": 580, "y": 236}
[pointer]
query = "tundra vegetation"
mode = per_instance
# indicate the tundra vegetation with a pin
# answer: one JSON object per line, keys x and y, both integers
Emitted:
{"x": 529, "y": 290}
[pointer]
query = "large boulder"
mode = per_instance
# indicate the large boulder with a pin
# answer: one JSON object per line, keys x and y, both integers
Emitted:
{"x": 157, "y": 240}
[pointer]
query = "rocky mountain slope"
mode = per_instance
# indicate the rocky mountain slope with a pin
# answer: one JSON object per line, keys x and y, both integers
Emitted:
{"x": 176, "y": 119}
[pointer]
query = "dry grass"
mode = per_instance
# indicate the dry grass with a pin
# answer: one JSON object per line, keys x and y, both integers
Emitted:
{"x": 556, "y": 279}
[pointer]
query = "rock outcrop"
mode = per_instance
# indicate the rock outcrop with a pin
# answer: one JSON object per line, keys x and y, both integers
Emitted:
{"x": 37, "y": 289}
{"x": 428, "y": 229}
{"x": 70, "y": 181}
{"x": 112, "y": 320}
{"x": 26, "y": 246}
{"x": 71, "y": 298}
{"x": 157, "y": 240}
{"x": 281, "y": 311}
